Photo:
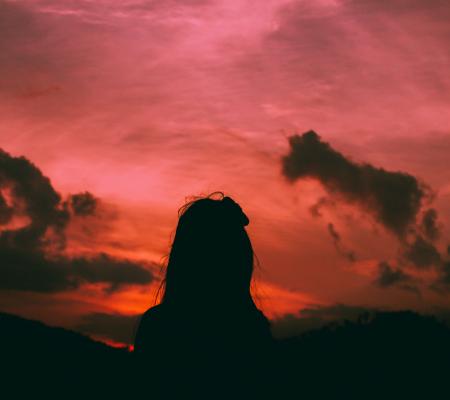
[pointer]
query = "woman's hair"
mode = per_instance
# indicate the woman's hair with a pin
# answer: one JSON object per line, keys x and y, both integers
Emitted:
{"x": 211, "y": 257}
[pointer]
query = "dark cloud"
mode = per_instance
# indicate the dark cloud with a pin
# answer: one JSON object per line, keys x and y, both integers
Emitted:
{"x": 422, "y": 253}
{"x": 348, "y": 254}
{"x": 106, "y": 269}
{"x": 336, "y": 237}
{"x": 6, "y": 212}
{"x": 32, "y": 195}
{"x": 442, "y": 282}
{"x": 388, "y": 276}
{"x": 36, "y": 272}
{"x": 116, "y": 327}
{"x": 393, "y": 198}
{"x": 83, "y": 203}
{"x": 429, "y": 225}
{"x": 32, "y": 255}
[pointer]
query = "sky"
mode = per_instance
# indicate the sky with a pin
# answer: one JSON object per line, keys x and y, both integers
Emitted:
{"x": 328, "y": 121}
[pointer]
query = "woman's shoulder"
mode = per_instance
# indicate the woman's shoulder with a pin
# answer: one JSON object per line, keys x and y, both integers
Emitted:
{"x": 153, "y": 312}
{"x": 149, "y": 327}
{"x": 153, "y": 316}
{"x": 259, "y": 318}
{"x": 161, "y": 316}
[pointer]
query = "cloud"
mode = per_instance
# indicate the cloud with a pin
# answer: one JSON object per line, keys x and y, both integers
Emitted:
{"x": 33, "y": 196}
{"x": 36, "y": 272}
{"x": 422, "y": 253}
{"x": 32, "y": 253}
{"x": 348, "y": 254}
{"x": 429, "y": 225}
{"x": 83, "y": 203}
{"x": 389, "y": 276}
{"x": 6, "y": 212}
{"x": 392, "y": 198}
{"x": 106, "y": 269}
{"x": 442, "y": 282}
{"x": 116, "y": 327}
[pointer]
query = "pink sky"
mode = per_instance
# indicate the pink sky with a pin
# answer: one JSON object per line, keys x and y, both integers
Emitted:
{"x": 144, "y": 103}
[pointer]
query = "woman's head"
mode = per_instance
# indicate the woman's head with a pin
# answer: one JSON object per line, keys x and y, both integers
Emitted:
{"x": 211, "y": 258}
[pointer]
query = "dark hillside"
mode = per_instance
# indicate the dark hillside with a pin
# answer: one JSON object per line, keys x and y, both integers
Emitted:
{"x": 38, "y": 359}
{"x": 386, "y": 355}
{"x": 396, "y": 355}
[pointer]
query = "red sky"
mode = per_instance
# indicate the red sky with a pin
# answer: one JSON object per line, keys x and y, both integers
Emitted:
{"x": 144, "y": 103}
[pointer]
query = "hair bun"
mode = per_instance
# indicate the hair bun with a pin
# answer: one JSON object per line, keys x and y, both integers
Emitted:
{"x": 236, "y": 210}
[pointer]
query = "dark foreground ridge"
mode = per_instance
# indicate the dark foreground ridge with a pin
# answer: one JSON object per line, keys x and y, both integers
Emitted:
{"x": 38, "y": 360}
{"x": 384, "y": 355}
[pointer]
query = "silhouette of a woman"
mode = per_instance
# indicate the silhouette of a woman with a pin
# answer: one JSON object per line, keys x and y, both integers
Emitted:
{"x": 207, "y": 338}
